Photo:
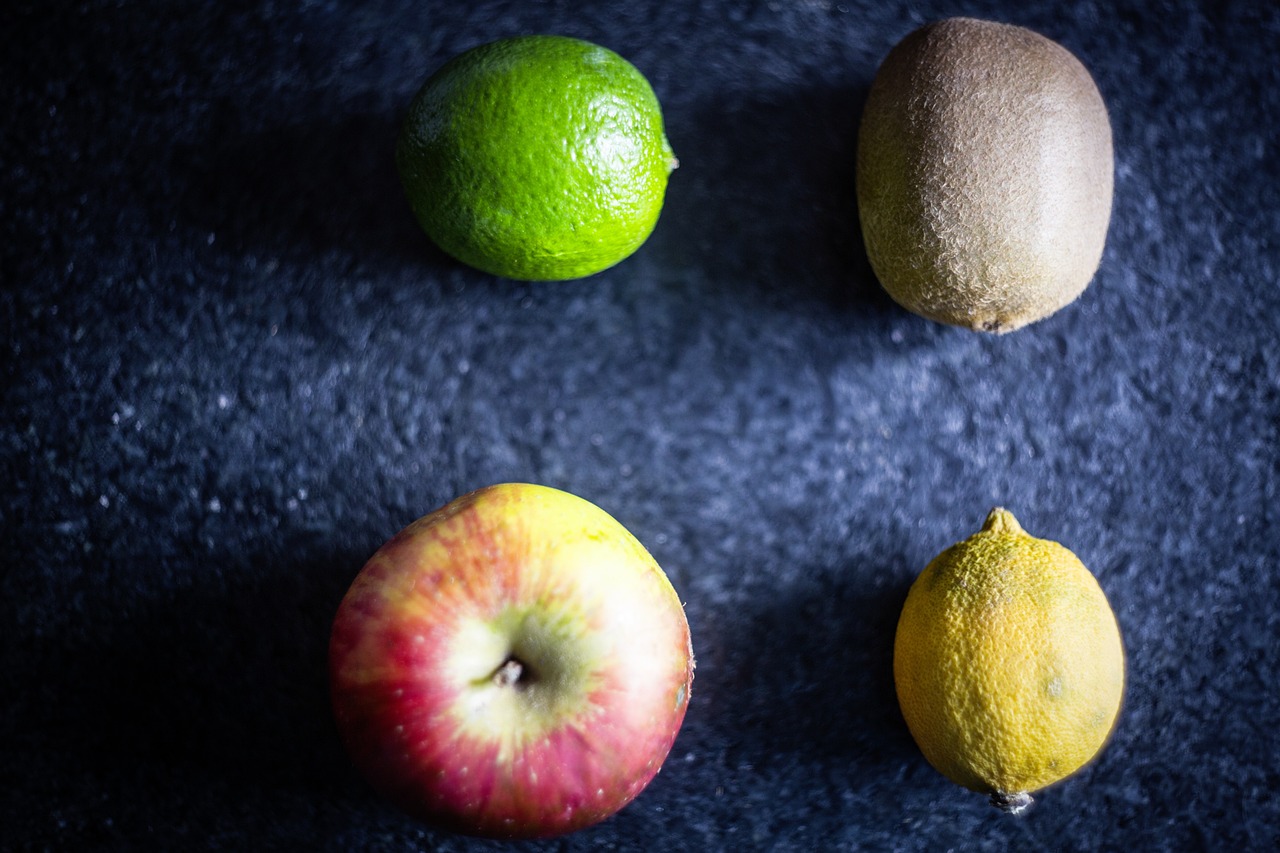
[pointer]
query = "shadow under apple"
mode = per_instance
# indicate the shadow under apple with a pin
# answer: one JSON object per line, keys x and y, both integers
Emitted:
{"x": 222, "y": 683}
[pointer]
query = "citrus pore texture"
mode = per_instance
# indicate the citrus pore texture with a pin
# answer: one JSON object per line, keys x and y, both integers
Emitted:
{"x": 536, "y": 157}
{"x": 1008, "y": 661}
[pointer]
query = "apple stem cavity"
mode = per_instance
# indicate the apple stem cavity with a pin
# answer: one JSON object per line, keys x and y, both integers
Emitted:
{"x": 511, "y": 673}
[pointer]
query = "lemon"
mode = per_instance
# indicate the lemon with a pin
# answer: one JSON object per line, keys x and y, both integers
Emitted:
{"x": 536, "y": 157}
{"x": 1008, "y": 663}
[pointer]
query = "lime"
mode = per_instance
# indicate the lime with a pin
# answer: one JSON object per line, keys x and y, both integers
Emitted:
{"x": 536, "y": 157}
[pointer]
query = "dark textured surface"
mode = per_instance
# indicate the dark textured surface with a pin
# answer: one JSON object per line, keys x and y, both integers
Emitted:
{"x": 233, "y": 366}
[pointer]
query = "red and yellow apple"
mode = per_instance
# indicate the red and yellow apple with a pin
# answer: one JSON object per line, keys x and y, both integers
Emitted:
{"x": 513, "y": 665}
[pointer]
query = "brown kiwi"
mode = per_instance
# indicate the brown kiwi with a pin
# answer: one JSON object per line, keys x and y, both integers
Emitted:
{"x": 984, "y": 174}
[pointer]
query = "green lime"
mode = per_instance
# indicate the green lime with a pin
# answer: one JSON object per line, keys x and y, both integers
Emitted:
{"x": 536, "y": 157}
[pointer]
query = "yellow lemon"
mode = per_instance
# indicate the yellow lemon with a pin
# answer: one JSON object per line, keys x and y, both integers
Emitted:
{"x": 1008, "y": 663}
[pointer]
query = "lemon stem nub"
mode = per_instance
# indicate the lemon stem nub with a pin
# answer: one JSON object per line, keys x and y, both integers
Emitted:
{"x": 1000, "y": 520}
{"x": 1011, "y": 803}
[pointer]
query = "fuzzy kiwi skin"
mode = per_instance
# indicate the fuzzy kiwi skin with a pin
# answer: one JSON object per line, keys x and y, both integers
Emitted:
{"x": 984, "y": 174}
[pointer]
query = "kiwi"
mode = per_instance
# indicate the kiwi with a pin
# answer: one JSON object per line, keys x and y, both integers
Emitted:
{"x": 984, "y": 175}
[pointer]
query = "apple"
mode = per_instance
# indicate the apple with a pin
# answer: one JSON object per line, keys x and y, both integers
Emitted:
{"x": 513, "y": 665}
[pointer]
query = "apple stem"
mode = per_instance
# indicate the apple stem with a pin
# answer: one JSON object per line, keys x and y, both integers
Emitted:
{"x": 509, "y": 673}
